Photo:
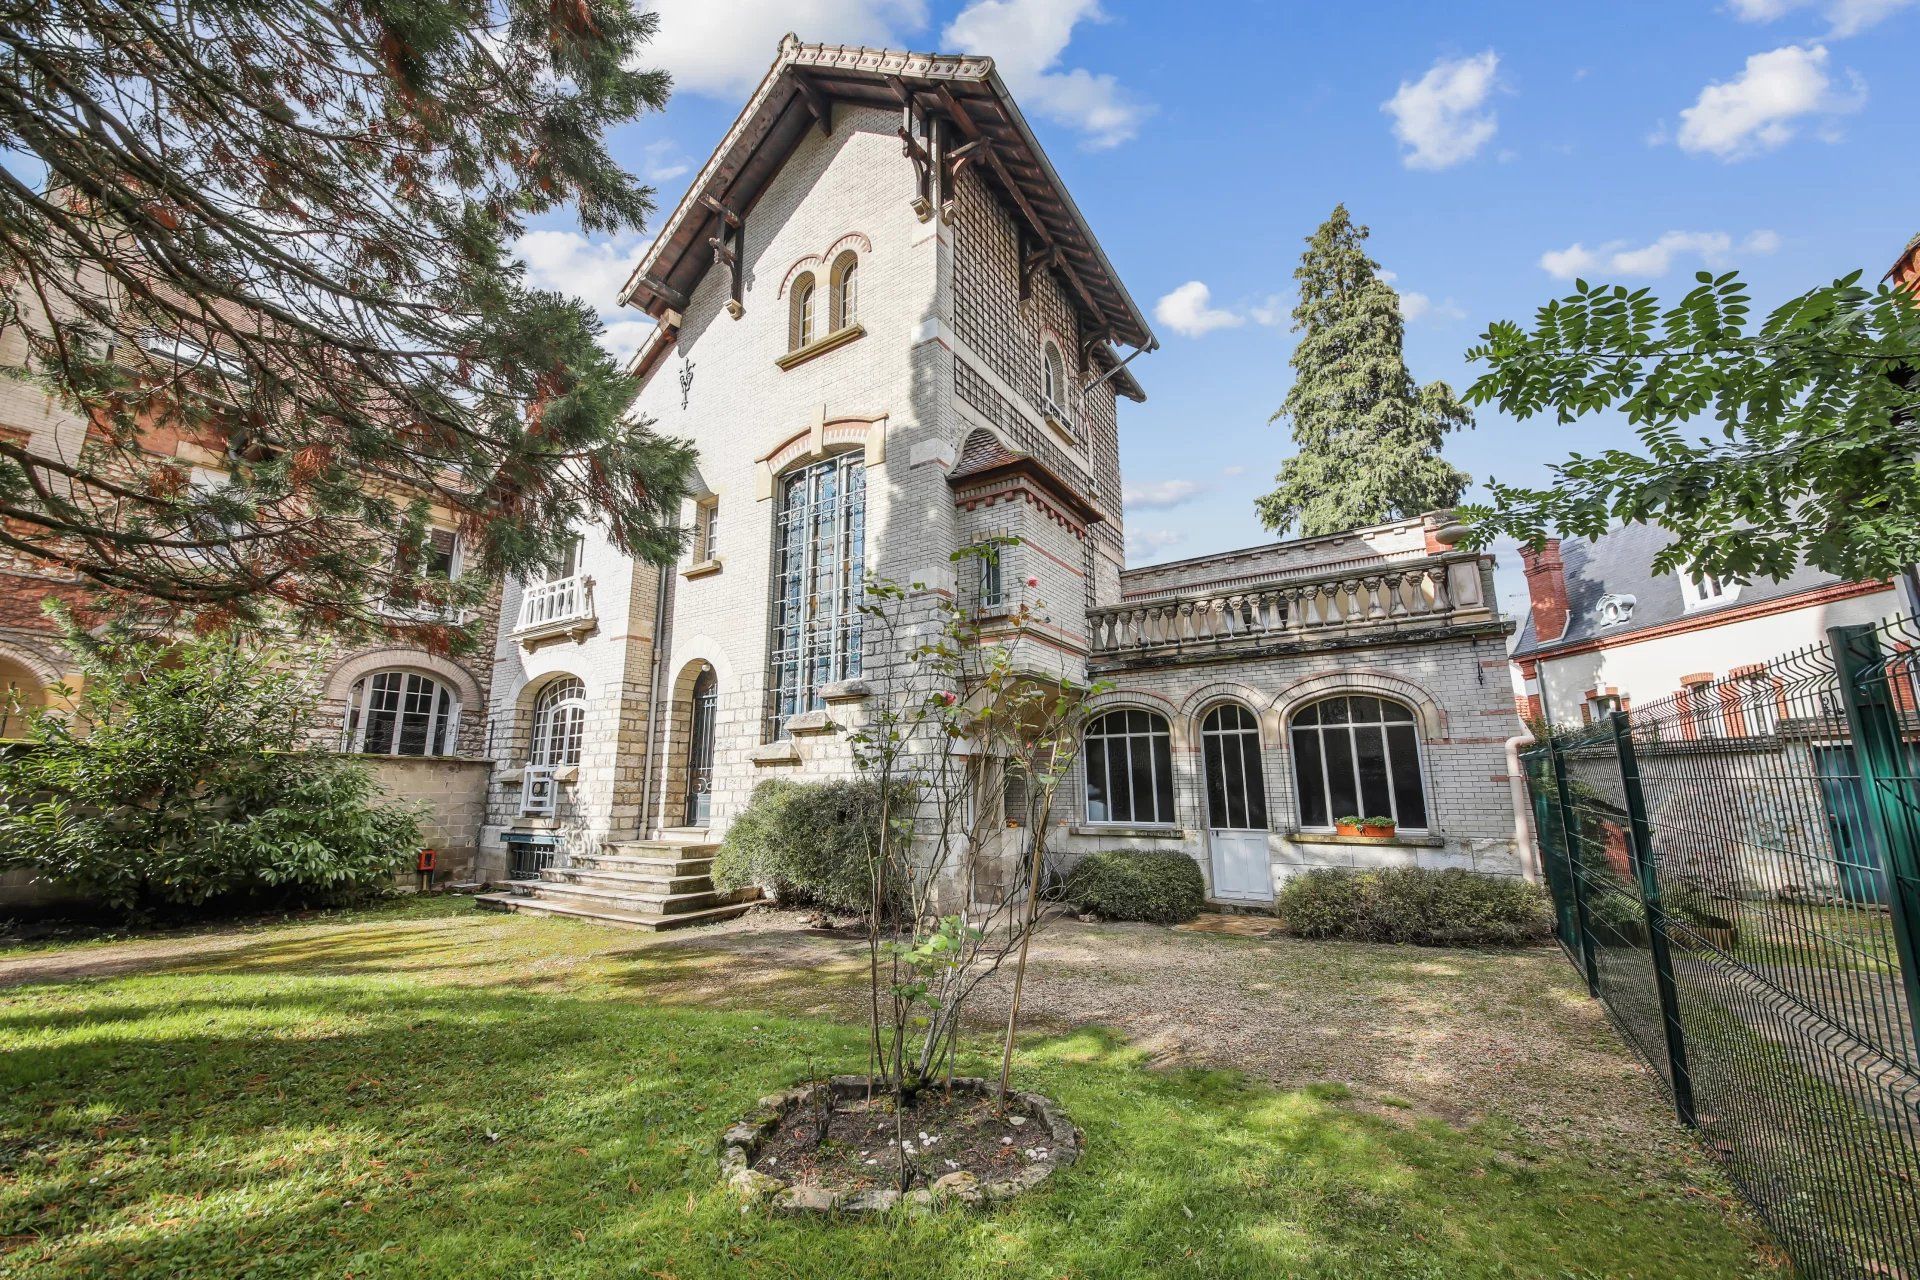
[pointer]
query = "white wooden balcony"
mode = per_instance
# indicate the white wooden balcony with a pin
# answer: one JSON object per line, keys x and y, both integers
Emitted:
{"x": 1449, "y": 591}
{"x": 561, "y": 607}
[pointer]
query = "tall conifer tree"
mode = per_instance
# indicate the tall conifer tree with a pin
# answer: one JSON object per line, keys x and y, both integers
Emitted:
{"x": 1369, "y": 437}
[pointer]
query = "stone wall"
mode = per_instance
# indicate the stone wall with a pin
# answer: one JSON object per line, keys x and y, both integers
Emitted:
{"x": 452, "y": 793}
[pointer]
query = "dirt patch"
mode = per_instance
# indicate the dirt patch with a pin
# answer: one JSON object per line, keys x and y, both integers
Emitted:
{"x": 867, "y": 1144}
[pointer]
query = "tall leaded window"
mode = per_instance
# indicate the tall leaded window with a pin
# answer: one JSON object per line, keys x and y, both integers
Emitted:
{"x": 819, "y": 557}
{"x": 1129, "y": 761}
{"x": 845, "y": 308}
{"x": 401, "y": 713}
{"x": 1357, "y": 756}
{"x": 559, "y": 724}
{"x": 1230, "y": 756}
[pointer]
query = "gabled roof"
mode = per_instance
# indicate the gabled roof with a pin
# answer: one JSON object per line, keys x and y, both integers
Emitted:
{"x": 964, "y": 91}
{"x": 1617, "y": 563}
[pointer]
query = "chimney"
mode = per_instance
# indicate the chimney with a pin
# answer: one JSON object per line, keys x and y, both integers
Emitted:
{"x": 1547, "y": 589}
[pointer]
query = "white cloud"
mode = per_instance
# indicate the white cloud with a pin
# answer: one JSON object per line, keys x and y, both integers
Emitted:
{"x": 1276, "y": 309}
{"x": 1715, "y": 249}
{"x": 1846, "y": 17}
{"x": 1188, "y": 310}
{"x": 662, "y": 161}
{"x": 1415, "y": 307}
{"x": 723, "y": 49}
{"x": 1763, "y": 107}
{"x": 1148, "y": 544}
{"x": 1025, "y": 39}
{"x": 591, "y": 270}
{"x": 1160, "y": 494}
{"x": 1231, "y": 471}
{"x": 1439, "y": 117}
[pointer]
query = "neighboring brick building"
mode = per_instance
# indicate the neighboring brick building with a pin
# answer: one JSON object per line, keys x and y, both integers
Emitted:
{"x": 419, "y": 717}
{"x": 1605, "y": 629}
{"x": 890, "y": 334}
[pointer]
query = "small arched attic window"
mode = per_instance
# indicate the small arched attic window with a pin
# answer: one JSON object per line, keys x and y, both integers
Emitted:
{"x": 800, "y": 319}
{"x": 844, "y": 281}
{"x": 1053, "y": 375}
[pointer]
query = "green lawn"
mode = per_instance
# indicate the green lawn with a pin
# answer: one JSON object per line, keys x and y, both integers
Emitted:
{"x": 432, "y": 1092}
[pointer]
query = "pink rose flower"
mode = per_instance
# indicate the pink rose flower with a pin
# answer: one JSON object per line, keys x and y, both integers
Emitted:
{"x": 1032, "y": 581}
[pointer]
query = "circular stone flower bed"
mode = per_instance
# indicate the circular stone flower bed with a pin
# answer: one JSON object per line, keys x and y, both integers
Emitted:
{"x": 949, "y": 1146}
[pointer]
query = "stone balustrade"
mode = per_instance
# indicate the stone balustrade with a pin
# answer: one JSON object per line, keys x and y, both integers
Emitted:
{"x": 1419, "y": 594}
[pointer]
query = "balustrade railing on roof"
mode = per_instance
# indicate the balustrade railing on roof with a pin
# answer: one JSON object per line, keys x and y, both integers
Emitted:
{"x": 1425, "y": 593}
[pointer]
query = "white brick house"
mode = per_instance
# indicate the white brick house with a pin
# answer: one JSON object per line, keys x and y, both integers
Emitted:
{"x": 890, "y": 334}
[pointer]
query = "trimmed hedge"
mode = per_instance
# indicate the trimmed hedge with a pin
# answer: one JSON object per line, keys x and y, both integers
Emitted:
{"x": 1411, "y": 905}
{"x": 805, "y": 842}
{"x": 1124, "y": 884}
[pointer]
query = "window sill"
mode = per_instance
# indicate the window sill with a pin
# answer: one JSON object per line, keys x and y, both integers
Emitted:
{"x": 1057, "y": 420}
{"x": 773, "y": 754}
{"x": 1128, "y": 829}
{"x": 702, "y": 569}
{"x": 820, "y": 346}
{"x": 1408, "y": 841}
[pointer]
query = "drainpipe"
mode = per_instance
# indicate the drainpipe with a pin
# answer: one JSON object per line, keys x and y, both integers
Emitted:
{"x": 1522, "y": 807}
{"x": 662, "y": 632}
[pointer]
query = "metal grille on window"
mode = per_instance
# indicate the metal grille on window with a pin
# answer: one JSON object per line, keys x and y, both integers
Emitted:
{"x": 400, "y": 713}
{"x": 818, "y": 565}
{"x": 1358, "y": 756}
{"x": 1129, "y": 762}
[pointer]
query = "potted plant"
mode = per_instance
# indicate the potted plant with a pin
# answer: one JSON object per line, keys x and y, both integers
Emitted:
{"x": 1347, "y": 826}
{"x": 1378, "y": 827}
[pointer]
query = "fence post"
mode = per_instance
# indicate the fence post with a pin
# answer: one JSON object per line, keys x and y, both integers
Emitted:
{"x": 1570, "y": 836}
{"x": 1640, "y": 848}
{"x": 1878, "y": 754}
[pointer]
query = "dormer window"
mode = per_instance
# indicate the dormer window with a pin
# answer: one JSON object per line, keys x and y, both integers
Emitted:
{"x": 1701, "y": 590}
{"x": 1616, "y": 610}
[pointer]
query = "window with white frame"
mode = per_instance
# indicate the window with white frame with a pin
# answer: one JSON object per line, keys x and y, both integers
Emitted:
{"x": 559, "y": 724}
{"x": 844, "y": 306}
{"x": 800, "y": 318}
{"x": 989, "y": 561}
{"x": 706, "y": 530}
{"x": 819, "y": 561}
{"x": 1356, "y": 755}
{"x": 401, "y": 713}
{"x": 1129, "y": 765}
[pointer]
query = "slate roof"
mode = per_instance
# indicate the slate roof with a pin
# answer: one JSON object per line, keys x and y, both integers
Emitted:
{"x": 1617, "y": 563}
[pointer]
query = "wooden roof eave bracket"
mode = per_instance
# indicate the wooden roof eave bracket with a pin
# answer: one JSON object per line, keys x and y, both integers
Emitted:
{"x": 727, "y": 253}
{"x": 818, "y": 104}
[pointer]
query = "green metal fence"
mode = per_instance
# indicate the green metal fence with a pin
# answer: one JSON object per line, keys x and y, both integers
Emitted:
{"x": 1736, "y": 873}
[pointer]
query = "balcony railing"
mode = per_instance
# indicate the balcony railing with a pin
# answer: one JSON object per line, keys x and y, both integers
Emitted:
{"x": 553, "y": 608}
{"x": 1440, "y": 591}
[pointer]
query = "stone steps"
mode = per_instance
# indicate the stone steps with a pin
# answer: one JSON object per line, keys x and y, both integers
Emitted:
{"x": 616, "y": 919}
{"x": 663, "y": 883}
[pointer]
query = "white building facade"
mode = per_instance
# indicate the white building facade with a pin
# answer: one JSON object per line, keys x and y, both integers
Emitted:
{"x": 891, "y": 335}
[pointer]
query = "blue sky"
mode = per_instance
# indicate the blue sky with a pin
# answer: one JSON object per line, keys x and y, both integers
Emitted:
{"x": 1493, "y": 148}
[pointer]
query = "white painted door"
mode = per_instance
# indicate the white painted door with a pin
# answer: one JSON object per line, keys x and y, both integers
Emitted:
{"x": 1240, "y": 870}
{"x": 1236, "y": 805}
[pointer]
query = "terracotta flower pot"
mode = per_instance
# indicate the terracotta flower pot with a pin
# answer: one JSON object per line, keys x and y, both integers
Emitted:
{"x": 1376, "y": 829}
{"x": 1346, "y": 829}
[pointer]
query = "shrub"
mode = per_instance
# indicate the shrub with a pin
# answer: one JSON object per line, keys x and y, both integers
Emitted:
{"x": 184, "y": 779}
{"x": 1409, "y": 904}
{"x": 807, "y": 842}
{"x": 1122, "y": 884}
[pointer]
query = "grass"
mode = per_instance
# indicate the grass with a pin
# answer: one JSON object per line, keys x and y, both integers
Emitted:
{"x": 437, "y": 1094}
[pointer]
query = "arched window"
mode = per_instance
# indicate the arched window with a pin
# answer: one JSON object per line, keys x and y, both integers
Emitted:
{"x": 20, "y": 693}
{"x": 845, "y": 308}
{"x": 1355, "y": 755}
{"x": 401, "y": 713}
{"x": 1230, "y": 755}
{"x": 1053, "y": 375}
{"x": 800, "y": 330}
{"x": 559, "y": 724}
{"x": 819, "y": 562}
{"x": 1129, "y": 758}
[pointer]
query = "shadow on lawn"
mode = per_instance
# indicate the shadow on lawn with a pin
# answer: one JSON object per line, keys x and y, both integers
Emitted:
{"x": 285, "y": 1113}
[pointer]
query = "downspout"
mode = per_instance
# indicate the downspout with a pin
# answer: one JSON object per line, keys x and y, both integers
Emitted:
{"x": 662, "y": 633}
{"x": 1522, "y": 808}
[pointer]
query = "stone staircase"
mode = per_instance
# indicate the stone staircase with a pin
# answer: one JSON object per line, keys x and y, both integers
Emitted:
{"x": 634, "y": 884}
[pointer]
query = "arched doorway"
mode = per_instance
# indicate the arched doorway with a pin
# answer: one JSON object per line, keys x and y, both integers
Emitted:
{"x": 1236, "y": 788}
{"x": 706, "y": 702}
